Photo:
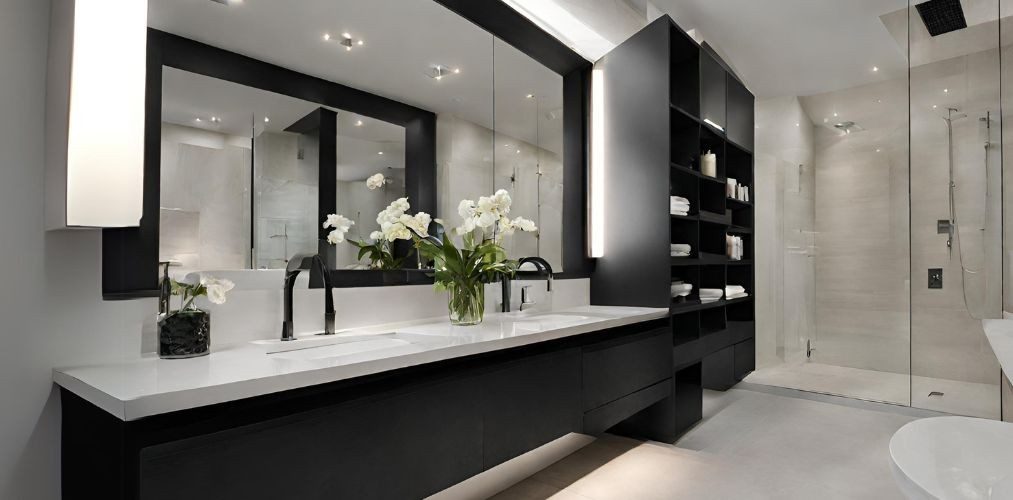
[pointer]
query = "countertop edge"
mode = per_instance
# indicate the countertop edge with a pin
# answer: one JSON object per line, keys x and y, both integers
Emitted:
{"x": 167, "y": 402}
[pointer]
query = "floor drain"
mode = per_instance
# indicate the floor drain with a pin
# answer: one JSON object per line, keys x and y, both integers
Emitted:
{"x": 935, "y": 393}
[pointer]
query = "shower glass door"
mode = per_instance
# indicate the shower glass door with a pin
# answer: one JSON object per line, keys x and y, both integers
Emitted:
{"x": 956, "y": 204}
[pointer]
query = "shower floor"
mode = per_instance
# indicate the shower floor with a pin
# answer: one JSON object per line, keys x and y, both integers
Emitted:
{"x": 960, "y": 398}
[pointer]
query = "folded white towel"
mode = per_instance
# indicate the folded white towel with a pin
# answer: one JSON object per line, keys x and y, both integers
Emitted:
{"x": 678, "y": 205}
{"x": 711, "y": 292}
{"x": 680, "y": 247}
{"x": 738, "y": 296}
{"x": 683, "y": 287}
{"x": 734, "y": 289}
{"x": 708, "y": 300}
{"x": 679, "y": 212}
{"x": 679, "y": 199}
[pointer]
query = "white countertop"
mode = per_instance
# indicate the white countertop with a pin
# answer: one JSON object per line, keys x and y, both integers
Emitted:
{"x": 1000, "y": 335}
{"x": 147, "y": 386}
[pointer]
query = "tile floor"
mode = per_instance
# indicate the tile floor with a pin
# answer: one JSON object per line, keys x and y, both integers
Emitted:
{"x": 959, "y": 398}
{"x": 753, "y": 443}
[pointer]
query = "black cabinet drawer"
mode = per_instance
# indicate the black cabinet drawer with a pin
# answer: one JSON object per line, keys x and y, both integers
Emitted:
{"x": 619, "y": 367}
{"x": 528, "y": 403}
{"x": 602, "y": 418}
{"x": 745, "y": 358}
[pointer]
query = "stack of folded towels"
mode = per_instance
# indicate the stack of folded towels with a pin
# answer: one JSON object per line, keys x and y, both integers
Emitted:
{"x": 681, "y": 250}
{"x": 735, "y": 292}
{"x": 680, "y": 289}
{"x": 678, "y": 205}
{"x": 711, "y": 294}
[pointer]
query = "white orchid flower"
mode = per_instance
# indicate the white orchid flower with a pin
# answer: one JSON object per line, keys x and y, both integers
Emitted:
{"x": 375, "y": 181}
{"x": 217, "y": 289}
{"x": 335, "y": 237}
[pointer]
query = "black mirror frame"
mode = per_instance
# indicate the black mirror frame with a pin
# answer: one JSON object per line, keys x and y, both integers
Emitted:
{"x": 130, "y": 255}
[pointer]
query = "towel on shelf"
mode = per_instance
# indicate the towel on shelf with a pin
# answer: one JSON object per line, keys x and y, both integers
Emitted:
{"x": 711, "y": 293}
{"x": 679, "y": 199}
{"x": 738, "y": 296}
{"x": 681, "y": 250}
{"x": 708, "y": 300}
{"x": 679, "y": 212}
{"x": 734, "y": 289}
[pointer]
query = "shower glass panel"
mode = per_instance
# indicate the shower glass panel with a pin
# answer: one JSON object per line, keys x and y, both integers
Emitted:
{"x": 956, "y": 207}
{"x": 886, "y": 202}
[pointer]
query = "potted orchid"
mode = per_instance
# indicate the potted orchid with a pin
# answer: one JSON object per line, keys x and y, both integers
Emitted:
{"x": 463, "y": 270}
{"x": 394, "y": 225}
{"x": 186, "y": 332}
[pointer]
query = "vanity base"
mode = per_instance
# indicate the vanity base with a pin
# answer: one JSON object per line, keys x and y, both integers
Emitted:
{"x": 403, "y": 434}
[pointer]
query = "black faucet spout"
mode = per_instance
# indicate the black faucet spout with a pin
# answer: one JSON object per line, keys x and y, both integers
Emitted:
{"x": 317, "y": 267}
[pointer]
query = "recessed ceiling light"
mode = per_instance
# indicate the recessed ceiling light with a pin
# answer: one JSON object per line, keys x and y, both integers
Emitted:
{"x": 946, "y": 91}
{"x": 457, "y": 71}
{"x": 835, "y": 115}
{"x": 878, "y": 150}
{"x": 360, "y": 42}
{"x": 875, "y": 68}
{"x": 358, "y": 123}
{"x": 197, "y": 120}
{"x": 215, "y": 119}
{"x": 934, "y": 106}
{"x": 518, "y": 151}
{"x": 327, "y": 36}
{"x": 266, "y": 119}
{"x": 529, "y": 96}
{"x": 379, "y": 152}
{"x": 346, "y": 35}
{"x": 797, "y": 124}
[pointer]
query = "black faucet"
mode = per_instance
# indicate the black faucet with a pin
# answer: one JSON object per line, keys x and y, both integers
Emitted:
{"x": 544, "y": 269}
{"x": 316, "y": 265}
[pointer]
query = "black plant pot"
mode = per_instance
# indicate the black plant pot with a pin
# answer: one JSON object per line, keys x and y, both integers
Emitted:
{"x": 184, "y": 334}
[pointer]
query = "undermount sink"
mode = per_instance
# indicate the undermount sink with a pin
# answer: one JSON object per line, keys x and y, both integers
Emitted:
{"x": 341, "y": 349}
{"x": 954, "y": 458}
{"x": 545, "y": 321}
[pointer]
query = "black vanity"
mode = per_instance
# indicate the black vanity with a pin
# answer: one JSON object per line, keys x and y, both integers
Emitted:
{"x": 402, "y": 433}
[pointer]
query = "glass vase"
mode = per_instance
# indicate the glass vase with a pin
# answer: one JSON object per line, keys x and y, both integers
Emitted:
{"x": 467, "y": 304}
{"x": 184, "y": 334}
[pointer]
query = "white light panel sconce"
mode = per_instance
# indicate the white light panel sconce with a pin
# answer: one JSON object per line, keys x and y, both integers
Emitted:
{"x": 95, "y": 113}
{"x": 597, "y": 219}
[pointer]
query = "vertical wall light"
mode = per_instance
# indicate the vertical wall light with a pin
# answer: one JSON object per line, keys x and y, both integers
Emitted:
{"x": 95, "y": 113}
{"x": 597, "y": 187}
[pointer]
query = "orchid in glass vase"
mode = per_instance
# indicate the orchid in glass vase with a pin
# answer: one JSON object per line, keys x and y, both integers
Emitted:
{"x": 463, "y": 270}
{"x": 394, "y": 225}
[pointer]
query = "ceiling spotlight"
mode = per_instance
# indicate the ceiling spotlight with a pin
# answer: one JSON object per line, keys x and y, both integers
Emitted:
{"x": 358, "y": 123}
{"x": 346, "y": 35}
{"x": 215, "y": 119}
{"x": 529, "y": 96}
{"x": 946, "y": 91}
{"x": 457, "y": 71}
{"x": 797, "y": 124}
{"x": 518, "y": 151}
{"x": 934, "y": 106}
{"x": 198, "y": 120}
{"x": 360, "y": 42}
{"x": 379, "y": 152}
{"x": 875, "y": 69}
{"x": 266, "y": 119}
{"x": 878, "y": 150}
{"x": 835, "y": 115}
{"x": 327, "y": 36}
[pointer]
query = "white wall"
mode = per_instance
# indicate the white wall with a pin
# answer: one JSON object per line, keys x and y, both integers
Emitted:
{"x": 50, "y": 304}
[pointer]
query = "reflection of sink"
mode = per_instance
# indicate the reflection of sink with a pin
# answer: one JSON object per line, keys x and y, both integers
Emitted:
{"x": 341, "y": 349}
{"x": 954, "y": 457}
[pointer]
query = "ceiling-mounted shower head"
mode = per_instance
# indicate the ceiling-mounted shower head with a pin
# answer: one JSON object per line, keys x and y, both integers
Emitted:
{"x": 848, "y": 127}
{"x": 942, "y": 16}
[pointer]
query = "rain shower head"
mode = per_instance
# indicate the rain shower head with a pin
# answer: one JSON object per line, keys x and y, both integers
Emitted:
{"x": 848, "y": 127}
{"x": 942, "y": 16}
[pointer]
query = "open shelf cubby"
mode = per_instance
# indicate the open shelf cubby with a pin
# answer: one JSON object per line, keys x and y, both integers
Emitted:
{"x": 672, "y": 100}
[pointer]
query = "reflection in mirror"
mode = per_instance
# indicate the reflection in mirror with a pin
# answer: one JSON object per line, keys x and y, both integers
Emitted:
{"x": 529, "y": 154}
{"x": 368, "y": 150}
{"x": 498, "y": 125}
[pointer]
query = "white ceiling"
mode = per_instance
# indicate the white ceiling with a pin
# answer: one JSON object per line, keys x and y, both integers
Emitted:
{"x": 796, "y": 47}
{"x": 402, "y": 40}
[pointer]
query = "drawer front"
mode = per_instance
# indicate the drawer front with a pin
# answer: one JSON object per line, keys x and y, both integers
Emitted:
{"x": 622, "y": 366}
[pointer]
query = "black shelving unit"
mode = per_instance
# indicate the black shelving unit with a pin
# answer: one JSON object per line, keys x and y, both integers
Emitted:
{"x": 669, "y": 100}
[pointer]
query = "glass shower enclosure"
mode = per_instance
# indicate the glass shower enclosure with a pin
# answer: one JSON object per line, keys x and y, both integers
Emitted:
{"x": 888, "y": 218}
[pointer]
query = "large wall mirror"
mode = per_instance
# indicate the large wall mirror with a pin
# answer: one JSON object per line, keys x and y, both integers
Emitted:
{"x": 263, "y": 117}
